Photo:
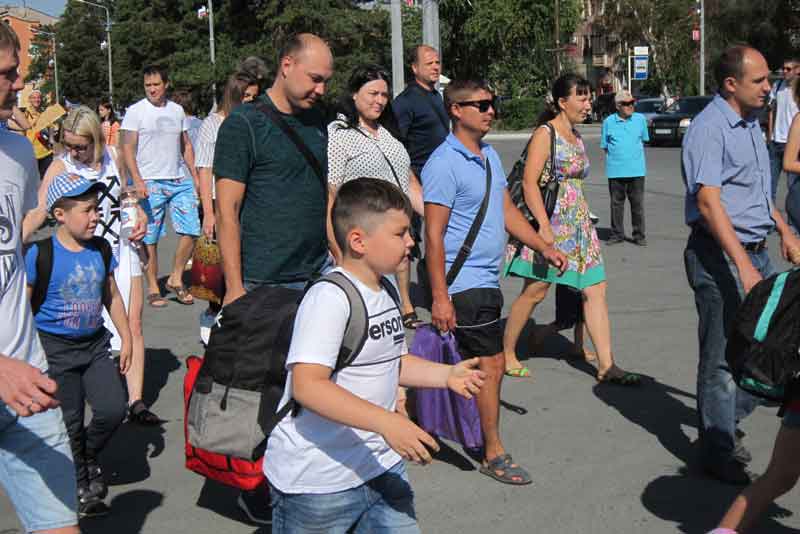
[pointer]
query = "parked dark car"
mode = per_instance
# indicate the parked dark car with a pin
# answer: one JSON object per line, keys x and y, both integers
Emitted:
{"x": 603, "y": 106}
{"x": 669, "y": 127}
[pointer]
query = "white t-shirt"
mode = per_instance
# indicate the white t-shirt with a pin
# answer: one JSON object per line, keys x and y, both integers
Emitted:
{"x": 311, "y": 454}
{"x": 158, "y": 152}
{"x": 191, "y": 125}
{"x": 19, "y": 181}
{"x": 785, "y": 110}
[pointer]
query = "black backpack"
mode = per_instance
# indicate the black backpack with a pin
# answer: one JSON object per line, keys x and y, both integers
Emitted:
{"x": 234, "y": 401}
{"x": 762, "y": 348}
{"x": 44, "y": 267}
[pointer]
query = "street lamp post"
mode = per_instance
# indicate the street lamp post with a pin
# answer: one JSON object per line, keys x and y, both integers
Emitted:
{"x": 209, "y": 12}
{"x": 108, "y": 41}
{"x": 52, "y": 37}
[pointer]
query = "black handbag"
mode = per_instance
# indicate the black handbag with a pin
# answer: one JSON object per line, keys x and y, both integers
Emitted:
{"x": 548, "y": 183}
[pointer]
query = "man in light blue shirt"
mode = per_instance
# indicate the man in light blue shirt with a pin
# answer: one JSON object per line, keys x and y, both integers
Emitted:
{"x": 623, "y": 137}
{"x": 469, "y": 304}
{"x": 729, "y": 208}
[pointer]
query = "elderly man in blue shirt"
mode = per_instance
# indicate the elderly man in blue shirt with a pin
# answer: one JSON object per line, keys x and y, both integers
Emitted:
{"x": 729, "y": 208}
{"x": 623, "y": 137}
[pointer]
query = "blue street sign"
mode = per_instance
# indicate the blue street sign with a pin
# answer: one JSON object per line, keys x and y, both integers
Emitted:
{"x": 640, "y": 67}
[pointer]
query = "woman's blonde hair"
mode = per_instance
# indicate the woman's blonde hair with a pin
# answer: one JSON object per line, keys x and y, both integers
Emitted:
{"x": 83, "y": 121}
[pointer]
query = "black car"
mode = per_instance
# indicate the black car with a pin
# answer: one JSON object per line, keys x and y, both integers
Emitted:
{"x": 670, "y": 126}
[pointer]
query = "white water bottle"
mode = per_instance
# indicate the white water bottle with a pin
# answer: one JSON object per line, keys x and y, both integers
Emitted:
{"x": 129, "y": 213}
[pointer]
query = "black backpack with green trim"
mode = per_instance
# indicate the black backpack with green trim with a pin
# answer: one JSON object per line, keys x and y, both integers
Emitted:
{"x": 763, "y": 344}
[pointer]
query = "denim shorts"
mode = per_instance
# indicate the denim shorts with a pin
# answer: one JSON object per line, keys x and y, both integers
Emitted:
{"x": 384, "y": 504}
{"x": 36, "y": 469}
{"x": 181, "y": 198}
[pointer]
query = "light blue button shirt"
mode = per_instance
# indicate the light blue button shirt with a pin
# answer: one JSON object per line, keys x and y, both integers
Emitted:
{"x": 624, "y": 140}
{"x": 721, "y": 149}
{"x": 456, "y": 178}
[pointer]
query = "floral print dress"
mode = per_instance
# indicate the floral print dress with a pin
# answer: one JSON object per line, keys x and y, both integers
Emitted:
{"x": 573, "y": 230}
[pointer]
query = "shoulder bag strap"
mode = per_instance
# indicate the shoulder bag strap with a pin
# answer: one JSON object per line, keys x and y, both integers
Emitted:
{"x": 552, "y": 151}
{"x": 466, "y": 248}
{"x": 436, "y": 112}
{"x": 281, "y": 123}
{"x": 385, "y": 157}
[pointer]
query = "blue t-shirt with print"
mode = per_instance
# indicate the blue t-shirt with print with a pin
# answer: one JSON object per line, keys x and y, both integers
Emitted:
{"x": 73, "y": 304}
{"x": 456, "y": 178}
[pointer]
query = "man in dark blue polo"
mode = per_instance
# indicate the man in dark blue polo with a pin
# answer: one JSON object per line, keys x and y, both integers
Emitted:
{"x": 419, "y": 109}
{"x": 729, "y": 208}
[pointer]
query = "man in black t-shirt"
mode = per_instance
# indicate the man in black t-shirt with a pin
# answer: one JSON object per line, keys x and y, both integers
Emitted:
{"x": 419, "y": 109}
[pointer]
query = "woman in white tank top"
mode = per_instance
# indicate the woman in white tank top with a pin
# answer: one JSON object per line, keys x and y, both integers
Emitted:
{"x": 86, "y": 154}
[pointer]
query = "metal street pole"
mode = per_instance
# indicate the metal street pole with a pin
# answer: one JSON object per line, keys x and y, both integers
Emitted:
{"x": 108, "y": 42}
{"x": 702, "y": 47}
{"x": 558, "y": 41}
{"x": 211, "y": 46}
{"x": 398, "y": 81}
{"x": 430, "y": 25}
{"x": 55, "y": 59}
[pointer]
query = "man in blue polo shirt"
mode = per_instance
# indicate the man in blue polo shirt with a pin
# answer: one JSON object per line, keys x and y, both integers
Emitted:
{"x": 729, "y": 208}
{"x": 454, "y": 185}
{"x": 623, "y": 137}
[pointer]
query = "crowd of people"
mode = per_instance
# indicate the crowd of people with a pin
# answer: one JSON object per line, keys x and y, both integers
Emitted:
{"x": 291, "y": 193}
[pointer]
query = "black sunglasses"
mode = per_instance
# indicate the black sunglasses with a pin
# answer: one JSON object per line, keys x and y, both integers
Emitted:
{"x": 628, "y": 103}
{"x": 482, "y": 105}
{"x": 76, "y": 148}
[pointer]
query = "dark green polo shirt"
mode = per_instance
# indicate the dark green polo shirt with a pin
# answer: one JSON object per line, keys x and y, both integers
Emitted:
{"x": 283, "y": 211}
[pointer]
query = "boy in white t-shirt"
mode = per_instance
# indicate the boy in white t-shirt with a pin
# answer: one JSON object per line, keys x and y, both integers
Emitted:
{"x": 337, "y": 465}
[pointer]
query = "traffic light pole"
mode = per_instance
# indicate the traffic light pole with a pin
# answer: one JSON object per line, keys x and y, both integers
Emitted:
{"x": 702, "y": 47}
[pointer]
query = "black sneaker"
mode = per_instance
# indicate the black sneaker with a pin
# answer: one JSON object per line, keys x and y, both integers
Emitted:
{"x": 255, "y": 505}
{"x": 140, "y": 415}
{"x": 97, "y": 484}
{"x": 89, "y": 505}
{"x": 732, "y": 472}
{"x": 642, "y": 242}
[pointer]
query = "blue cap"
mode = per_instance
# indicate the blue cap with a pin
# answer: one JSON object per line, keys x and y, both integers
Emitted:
{"x": 69, "y": 185}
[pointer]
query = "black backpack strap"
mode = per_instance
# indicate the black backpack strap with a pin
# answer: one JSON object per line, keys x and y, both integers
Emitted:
{"x": 44, "y": 268}
{"x": 466, "y": 248}
{"x": 101, "y": 244}
{"x": 281, "y": 123}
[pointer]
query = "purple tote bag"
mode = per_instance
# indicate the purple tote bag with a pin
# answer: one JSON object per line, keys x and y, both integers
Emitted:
{"x": 442, "y": 412}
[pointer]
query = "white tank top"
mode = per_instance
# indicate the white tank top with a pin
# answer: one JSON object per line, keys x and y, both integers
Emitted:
{"x": 109, "y": 224}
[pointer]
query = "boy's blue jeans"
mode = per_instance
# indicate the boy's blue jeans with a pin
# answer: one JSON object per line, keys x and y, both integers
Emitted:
{"x": 383, "y": 505}
{"x": 718, "y": 293}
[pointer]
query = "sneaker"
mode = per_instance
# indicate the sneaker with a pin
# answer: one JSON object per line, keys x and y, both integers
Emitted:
{"x": 594, "y": 218}
{"x": 255, "y": 505}
{"x": 732, "y": 472}
{"x": 614, "y": 241}
{"x": 642, "y": 242}
{"x": 97, "y": 484}
{"x": 90, "y": 505}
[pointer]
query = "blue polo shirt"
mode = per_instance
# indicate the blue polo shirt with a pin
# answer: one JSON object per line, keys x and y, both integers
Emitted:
{"x": 422, "y": 122}
{"x": 721, "y": 149}
{"x": 456, "y": 178}
{"x": 623, "y": 140}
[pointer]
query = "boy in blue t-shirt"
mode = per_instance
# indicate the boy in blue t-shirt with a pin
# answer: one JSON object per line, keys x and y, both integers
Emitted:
{"x": 338, "y": 465}
{"x": 70, "y": 325}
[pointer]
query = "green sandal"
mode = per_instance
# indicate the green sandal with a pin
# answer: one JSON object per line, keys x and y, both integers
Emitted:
{"x": 625, "y": 379}
{"x": 519, "y": 372}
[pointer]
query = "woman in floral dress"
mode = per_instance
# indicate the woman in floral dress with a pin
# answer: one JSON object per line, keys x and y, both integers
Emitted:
{"x": 569, "y": 229}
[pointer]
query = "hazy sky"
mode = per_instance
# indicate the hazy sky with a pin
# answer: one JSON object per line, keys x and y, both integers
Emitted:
{"x": 51, "y": 7}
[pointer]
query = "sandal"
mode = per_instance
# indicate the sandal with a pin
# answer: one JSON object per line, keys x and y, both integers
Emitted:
{"x": 411, "y": 321}
{"x": 624, "y": 378}
{"x": 516, "y": 476}
{"x": 519, "y": 372}
{"x": 139, "y": 414}
{"x": 181, "y": 293}
{"x": 156, "y": 300}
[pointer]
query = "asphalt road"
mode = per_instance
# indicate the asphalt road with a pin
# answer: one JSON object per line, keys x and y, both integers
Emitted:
{"x": 603, "y": 459}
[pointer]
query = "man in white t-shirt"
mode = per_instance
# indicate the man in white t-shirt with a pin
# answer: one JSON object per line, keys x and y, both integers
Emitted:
{"x": 782, "y": 110}
{"x": 154, "y": 143}
{"x": 337, "y": 464}
{"x": 37, "y": 471}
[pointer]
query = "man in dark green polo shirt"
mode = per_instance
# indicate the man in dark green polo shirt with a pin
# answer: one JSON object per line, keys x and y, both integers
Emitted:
{"x": 271, "y": 204}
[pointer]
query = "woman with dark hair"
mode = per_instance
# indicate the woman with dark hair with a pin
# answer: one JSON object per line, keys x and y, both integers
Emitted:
{"x": 569, "y": 228}
{"x": 110, "y": 123}
{"x": 363, "y": 142}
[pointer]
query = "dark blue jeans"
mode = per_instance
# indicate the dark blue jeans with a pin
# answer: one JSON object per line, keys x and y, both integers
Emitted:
{"x": 776, "y": 151}
{"x": 793, "y": 201}
{"x": 717, "y": 293}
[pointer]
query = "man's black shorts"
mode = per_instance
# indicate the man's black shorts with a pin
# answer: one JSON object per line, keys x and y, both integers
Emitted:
{"x": 479, "y": 332}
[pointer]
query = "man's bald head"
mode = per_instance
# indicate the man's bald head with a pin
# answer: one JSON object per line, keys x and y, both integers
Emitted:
{"x": 418, "y": 52}
{"x": 300, "y": 46}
